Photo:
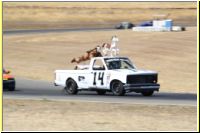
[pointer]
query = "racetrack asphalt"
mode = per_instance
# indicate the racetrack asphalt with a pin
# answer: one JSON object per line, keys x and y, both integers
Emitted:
{"x": 32, "y": 31}
{"x": 44, "y": 90}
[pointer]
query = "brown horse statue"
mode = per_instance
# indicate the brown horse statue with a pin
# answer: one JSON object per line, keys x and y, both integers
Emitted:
{"x": 105, "y": 49}
{"x": 88, "y": 55}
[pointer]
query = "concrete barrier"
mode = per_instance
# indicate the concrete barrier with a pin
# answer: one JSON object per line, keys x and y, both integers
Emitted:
{"x": 150, "y": 29}
{"x": 158, "y": 25}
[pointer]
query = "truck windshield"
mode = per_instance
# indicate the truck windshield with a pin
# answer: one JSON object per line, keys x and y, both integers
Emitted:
{"x": 118, "y": 63}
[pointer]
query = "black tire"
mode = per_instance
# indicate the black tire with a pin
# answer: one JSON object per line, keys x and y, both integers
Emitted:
{"x": 101, "y": 92}
{"x": 71, "y": 87}
{"x": 183, "y": 29}
{"x": 11, "y": 87}
{"x": 147, "y": 93}
{"x": 117, "y": 88}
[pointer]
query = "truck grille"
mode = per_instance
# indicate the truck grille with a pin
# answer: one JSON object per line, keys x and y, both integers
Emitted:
{"x": 135, "y": 79}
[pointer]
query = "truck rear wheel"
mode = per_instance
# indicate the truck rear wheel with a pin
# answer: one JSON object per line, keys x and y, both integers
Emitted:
{"x": 71, "y": 87}
{"x": 117, "y": 88}
{"x": 147, "y": 93}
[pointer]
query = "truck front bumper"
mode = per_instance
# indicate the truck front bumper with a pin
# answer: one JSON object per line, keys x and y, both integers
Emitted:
{"x": 142, "y": 87}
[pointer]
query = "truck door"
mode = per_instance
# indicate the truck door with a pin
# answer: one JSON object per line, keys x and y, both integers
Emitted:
{"x": 98, "y": 74}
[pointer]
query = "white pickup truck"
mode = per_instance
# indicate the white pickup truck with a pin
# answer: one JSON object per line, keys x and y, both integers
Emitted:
{"x": 114, "y": 74}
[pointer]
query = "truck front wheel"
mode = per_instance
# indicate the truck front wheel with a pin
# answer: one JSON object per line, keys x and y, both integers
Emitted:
{"x": 117, "y": 88}
{"x": 71, "y": 87}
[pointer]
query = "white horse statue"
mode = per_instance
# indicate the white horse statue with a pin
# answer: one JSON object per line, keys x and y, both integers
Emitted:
{"x": 113, "y": 48}
{"x": 110, "y": 49}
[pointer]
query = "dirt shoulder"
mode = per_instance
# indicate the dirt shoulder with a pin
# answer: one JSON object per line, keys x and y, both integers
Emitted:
{"x": 172, "y": 54}
{"x": 83, "y": 116}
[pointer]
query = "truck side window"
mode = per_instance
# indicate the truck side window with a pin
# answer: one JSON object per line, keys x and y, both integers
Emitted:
{"x": 98, "y": 65}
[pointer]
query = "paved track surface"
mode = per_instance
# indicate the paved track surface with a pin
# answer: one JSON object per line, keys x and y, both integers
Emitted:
{"x": 15, "y": 32}
{"x": 43, "y": 90}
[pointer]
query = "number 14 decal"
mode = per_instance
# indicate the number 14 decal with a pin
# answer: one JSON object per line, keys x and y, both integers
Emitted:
{"x": 100, "y": 77}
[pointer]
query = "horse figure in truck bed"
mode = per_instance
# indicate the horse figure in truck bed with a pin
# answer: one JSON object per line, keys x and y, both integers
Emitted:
{"x": 105, "y": 50}
{"x": 96, "y": 52}
{"x": 110, "y": 49}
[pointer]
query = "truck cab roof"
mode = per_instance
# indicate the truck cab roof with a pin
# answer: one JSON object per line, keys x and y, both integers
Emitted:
{"x": 109, "y": 57}
{"x": 85, "y": 67}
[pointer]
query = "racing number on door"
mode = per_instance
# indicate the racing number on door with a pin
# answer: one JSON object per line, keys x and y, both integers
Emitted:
{"x": 100, "y": 77}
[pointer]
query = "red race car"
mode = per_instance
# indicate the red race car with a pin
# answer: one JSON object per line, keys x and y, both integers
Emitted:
{"x": 8, "y": 81}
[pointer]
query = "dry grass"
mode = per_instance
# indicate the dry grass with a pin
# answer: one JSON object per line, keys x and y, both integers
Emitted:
{"x": 172, "y": 54}
{"x": 28, "y": 15}
{"x": 105, "y": 4}
{"x": 20, "y": 115}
